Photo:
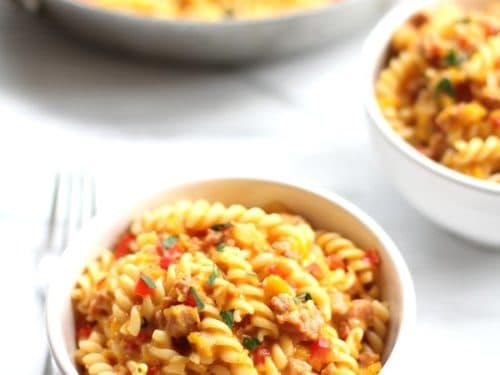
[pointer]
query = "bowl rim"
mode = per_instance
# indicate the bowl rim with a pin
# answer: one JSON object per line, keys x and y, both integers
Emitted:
{"x": 230, "y": 23}
{"x": 407, "y": 322}
{"x": 374, "y": 49}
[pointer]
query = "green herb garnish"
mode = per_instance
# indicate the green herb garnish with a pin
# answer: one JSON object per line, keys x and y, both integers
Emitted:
{"x": 229, "y": 13}
{"x": 303, "y": 297}
{"x": 453, "y": 58}
{"x": 144, "y": 323}
{"x": 220, "y": 247}
{"x": 251, "y": 343}
{"x": 150, "y": 283}
{"x": 228, "y": 317}
{"x": 250, "y": 273}
{"x": 446, "y": 86}
{"x": 221, "y": 227}
{"x": 215, "y": 274}
{"x": 169, "y": 242}
{"x": 197, "y": 298}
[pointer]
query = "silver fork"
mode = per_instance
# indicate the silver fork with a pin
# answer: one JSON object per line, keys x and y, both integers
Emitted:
{"x": 73, "y": 203}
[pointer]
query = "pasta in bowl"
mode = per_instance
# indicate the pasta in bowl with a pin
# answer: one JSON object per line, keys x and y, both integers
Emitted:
{"x": 209, "y": 11}
{"x": 431, "y": 100}
{"x": 196, "y": 287}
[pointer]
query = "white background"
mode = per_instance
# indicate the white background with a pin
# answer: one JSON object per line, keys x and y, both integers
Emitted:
{"x": 136, "y": 124}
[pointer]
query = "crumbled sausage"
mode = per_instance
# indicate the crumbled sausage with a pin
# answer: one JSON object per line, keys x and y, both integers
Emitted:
{"x": 282, "y": 304}
{"x": 303, "y": 319}
{"x": 365, "y": 359}
{"x": 180, "y": 320}
{"x": 213, "y": 237}
{"x": 339, "y": 302}
{"x": 179, "y": 292}
{"x": 361, "y": 309}
{"x": 100, "y": 305}
{"x": 283, "y": 248}
{"x": 297, "y": 367}
{"x": 419, "y": 19}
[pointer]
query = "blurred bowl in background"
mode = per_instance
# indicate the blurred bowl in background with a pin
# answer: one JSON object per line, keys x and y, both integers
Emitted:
{"x": 463, "y": 205}
{"x": 227, "y": 42}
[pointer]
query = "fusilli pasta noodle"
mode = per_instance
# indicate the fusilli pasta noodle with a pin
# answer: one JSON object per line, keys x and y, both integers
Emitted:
{"x": 200, "y": 288}
{"x": 203, "y": 10}
{"x": 440, "y": 89}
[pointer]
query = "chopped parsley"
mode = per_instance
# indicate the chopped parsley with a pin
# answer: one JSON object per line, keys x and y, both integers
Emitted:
{"x": 303, "y": 297}
{"x": 228, "y": 317}
{"x": 445, "y": 86}
{"x": 220, "y": 247}
{"x": 229, "y": 13}
{"x": 250, "y": 273}
{"x": 150, "y": 283}
{"x": 453, "y": 58}
{"x": 221, "y": 227}
{"x": 215, "y": 274}
{"x": 169, "y": 242}
{"x": 197, "y": 299}
{"x": 251, "y": 343}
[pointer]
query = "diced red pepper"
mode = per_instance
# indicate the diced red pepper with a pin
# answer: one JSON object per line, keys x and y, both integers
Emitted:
{"x": 490, "y": 28}
{"x": 495, "y": 122}
{"x": 159, "y": 248}
{"x": 335, "y": 262}
{"x": 122, "y": 248}
{"x": 278, "y": 270}
{"x": 315, "y": 270}
{"x": 259, "y": 354}
{"x": 144, "y": 335}
{"x": 190, "y": 301}
{"x": 153, "y": 370}
{"x": 463, "y": 42}
{"x": 142, "y": 289}
{"x": 176, "y": 247}
{"x": 372, "y": 257}
{"x": 169, "y": 258}
{"x": 320, "y": 350}
{"x": 134, "y": 344}
{"x": 84, "y": 331}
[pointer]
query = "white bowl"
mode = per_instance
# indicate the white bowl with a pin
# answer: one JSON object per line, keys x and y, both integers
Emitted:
{"x": 465, "y": 206}
{"x": 225, "y": 42}
{"x": 323, "y": 209}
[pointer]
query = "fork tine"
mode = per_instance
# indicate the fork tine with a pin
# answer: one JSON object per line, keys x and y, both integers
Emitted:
{"x": 49, "y": 242}
{"x": 93, "y": 195}
{"x": 81, "y": 202}
{"x": 90, "y": 196}
{"x": 68, "y": 212}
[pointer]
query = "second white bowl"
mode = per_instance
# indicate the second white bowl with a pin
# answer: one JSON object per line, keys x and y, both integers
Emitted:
{"x": 463, "y": 205}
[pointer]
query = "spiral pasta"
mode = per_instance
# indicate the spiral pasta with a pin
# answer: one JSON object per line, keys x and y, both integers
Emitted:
{"x": 440, "y": 88}
{"x": 208, "y": 11}
{"x": 200, "y": 288}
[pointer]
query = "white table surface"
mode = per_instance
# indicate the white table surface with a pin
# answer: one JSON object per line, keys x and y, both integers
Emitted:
{"x": 136, "y": 124}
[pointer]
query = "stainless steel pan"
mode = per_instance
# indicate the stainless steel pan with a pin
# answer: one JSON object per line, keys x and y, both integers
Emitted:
{"x": 228, "y": 42}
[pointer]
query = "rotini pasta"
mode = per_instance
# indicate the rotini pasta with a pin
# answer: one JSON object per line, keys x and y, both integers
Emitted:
{"x": 209, "y": 10}
{"x": 200, "y": 288}
{"x": 440, "y": 89}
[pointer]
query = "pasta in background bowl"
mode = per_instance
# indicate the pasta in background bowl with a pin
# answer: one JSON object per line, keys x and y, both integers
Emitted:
{"x": 431, "y": 124}
{"x": 248, "y": 304}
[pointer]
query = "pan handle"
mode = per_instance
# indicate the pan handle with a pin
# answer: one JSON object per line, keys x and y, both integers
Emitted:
{"x": 31, "y": 5}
